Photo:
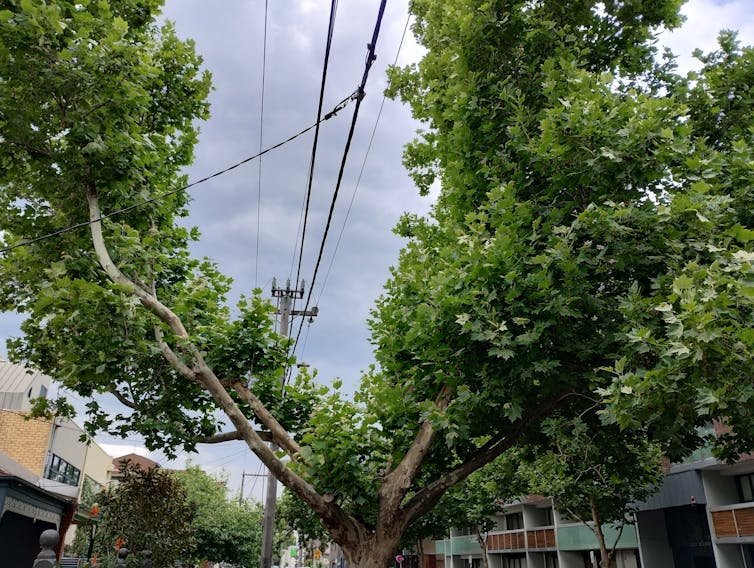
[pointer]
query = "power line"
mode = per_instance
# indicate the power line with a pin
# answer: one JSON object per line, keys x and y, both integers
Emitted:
{"x": 337, "y": 108}
{"x": 361, "y": 171}
{"x": 360, "y": 94}
{"x": 261, "y": 132}
{"x": 328, "y": 45}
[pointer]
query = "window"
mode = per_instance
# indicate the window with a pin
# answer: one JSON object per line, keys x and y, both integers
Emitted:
{"x": 551, "y": 559}
{"x": 745, "y": 487}
{"x": 518, "y": 561}
{"x": 514, "y": 521}
{"x": 60, "y": 470}
{"x": 43, "y": 392}
{"x": 549, "y": 520}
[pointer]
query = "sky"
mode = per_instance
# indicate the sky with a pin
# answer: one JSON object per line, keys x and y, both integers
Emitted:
{"x": 229, "y": 35}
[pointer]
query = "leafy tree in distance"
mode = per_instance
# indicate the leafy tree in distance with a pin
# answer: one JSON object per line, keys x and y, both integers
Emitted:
{"x": 147, "y": 510}
{"x": 592, "y": 235}
{"x": 225, "y": 530}
{"x": 595, "y": 474}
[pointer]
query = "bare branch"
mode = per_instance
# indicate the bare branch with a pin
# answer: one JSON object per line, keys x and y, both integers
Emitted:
{"x": 279, "y": 434}
{"x": 397, "y": 483}
{"x": 230, "y": 436}
{"x": 123, "y": 399}
{"x": 334, "y": 517}
{"x": 171, "y": 357}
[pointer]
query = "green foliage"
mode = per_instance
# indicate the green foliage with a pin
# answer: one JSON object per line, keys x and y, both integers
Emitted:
{"x": 593, "y": 234}
{"x": 97, "y": 99}
{"x": 587, "y": 465}
{"x": 592, "y": 229}
{"x": 147, "y": 510}
{"x": 224, "y": 530}
{"x": 294, "y": 515}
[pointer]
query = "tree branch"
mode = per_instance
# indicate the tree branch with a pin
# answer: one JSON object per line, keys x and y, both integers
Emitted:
{"x": 397, "y": 483}
{"x": 279, "y": 435}
{"x": 424, "y": 499}
{"x": 171, "y": 357}
{"x": 124, "y": 400}
{"x": 334, "y": 517}
{"x": 230, "y": 436}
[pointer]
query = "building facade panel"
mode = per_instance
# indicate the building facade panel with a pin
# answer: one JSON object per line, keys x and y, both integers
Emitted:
{"x": 25, "y": 441}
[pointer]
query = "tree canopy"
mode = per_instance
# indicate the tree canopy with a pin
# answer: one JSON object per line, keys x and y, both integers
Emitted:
{"x": 146, "y": 510}
{"x": 224, "y": 529}
{"x": 592, "y": 241}
{"x": 596, "y": 474}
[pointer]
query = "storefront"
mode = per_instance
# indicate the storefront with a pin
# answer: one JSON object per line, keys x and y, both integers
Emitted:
{"x": 25, "y": 512}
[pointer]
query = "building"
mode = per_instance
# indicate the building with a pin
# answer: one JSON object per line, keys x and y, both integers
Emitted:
{"x": 52, "y": 451}
{"x": 701, "y": 517}
{"x": 27, "y": 510}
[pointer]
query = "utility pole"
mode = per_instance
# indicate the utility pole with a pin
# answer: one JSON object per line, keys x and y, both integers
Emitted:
{"x": 286, "y": 295}
{"x": 244, "y": 475}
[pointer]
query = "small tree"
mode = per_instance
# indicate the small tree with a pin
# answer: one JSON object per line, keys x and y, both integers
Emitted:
{"x": 595, "y": 474}
{"x": 224, "y": 530}
{"x": 147, "y": 510}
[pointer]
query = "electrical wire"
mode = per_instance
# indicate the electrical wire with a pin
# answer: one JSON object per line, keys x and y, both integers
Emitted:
{"x": 337, "y": 108}
{"x": 328, "y": 46}
{"x": 261, "y": 132}
{"x": 359, "y": 98}
{"x": 361, "y": 171}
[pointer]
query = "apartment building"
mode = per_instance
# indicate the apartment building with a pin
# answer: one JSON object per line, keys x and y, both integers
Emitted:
{"x": 701, "y": 517}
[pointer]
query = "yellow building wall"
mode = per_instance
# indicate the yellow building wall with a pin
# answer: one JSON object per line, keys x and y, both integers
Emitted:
{"x": 25, "y": 441}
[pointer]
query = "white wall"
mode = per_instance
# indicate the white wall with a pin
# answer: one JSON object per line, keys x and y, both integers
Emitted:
{"x": 653, "y": 540}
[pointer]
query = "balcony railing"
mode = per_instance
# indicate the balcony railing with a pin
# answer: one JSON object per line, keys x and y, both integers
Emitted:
{"x": 734, "y": 521}
{"x": 538, "y": 539}
{"x": 543, "y": 538}
{"x": 508, "y": 540}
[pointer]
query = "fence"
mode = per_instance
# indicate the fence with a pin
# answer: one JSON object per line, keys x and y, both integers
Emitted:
{"x": 47, "y": 558}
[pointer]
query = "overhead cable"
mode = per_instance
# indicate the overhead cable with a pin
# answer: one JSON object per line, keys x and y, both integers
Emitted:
{"x": 328, "y": 46}
{"x": 361, "y": 171}
{"x": 360, "y": 94}
{"x": 261, "y": 132}
{"x": 340, "y": 106}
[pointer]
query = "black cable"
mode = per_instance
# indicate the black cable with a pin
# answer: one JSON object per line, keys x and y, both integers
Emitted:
{"x": 328, "y": 46}
{"x": 360, "y": 93}
{"x": 261, "y": 131}
{"x": 361, "y": 171}
{"x": 337, "y": 108}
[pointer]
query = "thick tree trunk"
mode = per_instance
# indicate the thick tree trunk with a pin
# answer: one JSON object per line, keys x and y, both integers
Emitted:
{"x": 372, "y": 552}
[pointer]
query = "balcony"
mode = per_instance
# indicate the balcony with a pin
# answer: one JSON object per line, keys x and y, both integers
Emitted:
{"x": 733, "y": 523}
{"x": 541, "y": 539}
{"x": 507, "y": 540}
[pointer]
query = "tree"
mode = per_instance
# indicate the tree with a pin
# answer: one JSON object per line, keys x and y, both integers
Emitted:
{"x": 595, "y": 474}
{"x": 225, "y": 530}
{"x": 593, "y": 235}
{"x": 147, "y": 510}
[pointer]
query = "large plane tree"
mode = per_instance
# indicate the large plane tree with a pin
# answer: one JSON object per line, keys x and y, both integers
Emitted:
{"x": 591, "y": 245}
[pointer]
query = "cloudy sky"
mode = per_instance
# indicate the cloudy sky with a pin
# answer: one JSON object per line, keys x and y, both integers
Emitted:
{"x": 229, "y": 35}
